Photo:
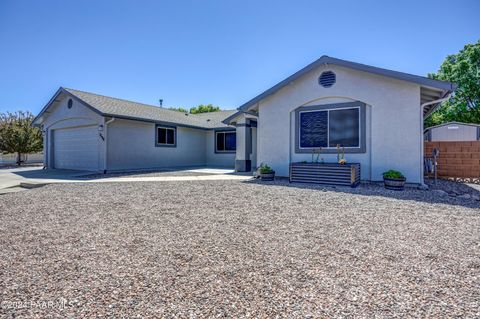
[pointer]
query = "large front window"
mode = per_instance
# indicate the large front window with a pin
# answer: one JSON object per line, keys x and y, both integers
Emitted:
{"x": 329, "y": 128}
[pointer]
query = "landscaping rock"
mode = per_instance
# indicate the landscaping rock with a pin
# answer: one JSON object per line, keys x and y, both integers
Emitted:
{"x": 453, "y": 188}
{"x": 440, "y": 192}
{"x": 230, "y": 249}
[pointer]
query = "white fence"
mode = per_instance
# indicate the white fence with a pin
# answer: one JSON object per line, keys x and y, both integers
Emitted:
{"x": 7, "y": 159}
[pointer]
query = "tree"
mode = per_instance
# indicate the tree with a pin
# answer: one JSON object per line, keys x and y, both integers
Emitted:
{"x": 178, "y": 109}
{"x": 204, "y": 109}
{"x": 463, "y": 69}
{"x": 197, "y": 109}
{"x": 17, "y": 135}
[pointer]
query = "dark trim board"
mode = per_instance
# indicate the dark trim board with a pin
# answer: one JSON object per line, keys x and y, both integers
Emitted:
{"x": 363, "y": 127}
{"x": 243, "y": 165}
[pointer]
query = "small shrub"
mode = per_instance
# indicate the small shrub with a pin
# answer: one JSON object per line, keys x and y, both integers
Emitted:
{"x": 265, "y": 169}
{"x": 392, "y": 174}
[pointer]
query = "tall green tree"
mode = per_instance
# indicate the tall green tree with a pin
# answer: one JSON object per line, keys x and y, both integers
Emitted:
{"x": 197, "y": 109}
{"x": 204, "y": 109}
{"x": 463, "y": 69}
{"x": 17, "y": 135}
{"x": 178, "y": 109}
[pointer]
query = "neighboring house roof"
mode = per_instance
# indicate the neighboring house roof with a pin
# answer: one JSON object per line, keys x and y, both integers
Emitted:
{"x": 434, "y": 89}
{"x": 451, "y": 123}
{"x": 119, "y": 108}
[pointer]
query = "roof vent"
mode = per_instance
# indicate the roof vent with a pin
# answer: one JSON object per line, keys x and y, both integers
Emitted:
{"x": 70, "y": 103}
{"x": 327, "y": 79}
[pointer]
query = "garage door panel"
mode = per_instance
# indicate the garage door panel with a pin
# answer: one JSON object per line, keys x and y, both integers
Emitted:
{"x": 76, "y": 148}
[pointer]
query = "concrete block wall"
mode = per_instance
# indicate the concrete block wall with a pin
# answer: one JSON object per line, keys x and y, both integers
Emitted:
{"x": 456, "y": 159}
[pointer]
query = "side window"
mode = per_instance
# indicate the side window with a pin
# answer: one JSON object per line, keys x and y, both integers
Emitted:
{"x": 166, "y": 136}
{"x": 225, "y": 141}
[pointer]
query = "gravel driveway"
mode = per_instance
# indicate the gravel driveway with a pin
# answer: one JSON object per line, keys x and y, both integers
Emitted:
{"x": 236, "y": 249}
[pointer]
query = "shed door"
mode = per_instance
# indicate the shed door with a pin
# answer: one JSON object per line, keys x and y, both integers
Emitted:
{"x": 76, "y": 148}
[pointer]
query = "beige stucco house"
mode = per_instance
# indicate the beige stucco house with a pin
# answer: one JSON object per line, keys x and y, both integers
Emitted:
{"x": 375, "y": 114}
{"x": 87, "y": 131}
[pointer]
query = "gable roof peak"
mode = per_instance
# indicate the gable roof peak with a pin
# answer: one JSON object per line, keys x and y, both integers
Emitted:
{"x": 445, "y": 86}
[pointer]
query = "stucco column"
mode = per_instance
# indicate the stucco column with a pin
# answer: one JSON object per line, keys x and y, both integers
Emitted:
{"x": 244, "y": 145}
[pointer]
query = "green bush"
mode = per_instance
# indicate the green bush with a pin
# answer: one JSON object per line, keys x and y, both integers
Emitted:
{"x": 265, "y": 169}
{"x": 392, "y": 174}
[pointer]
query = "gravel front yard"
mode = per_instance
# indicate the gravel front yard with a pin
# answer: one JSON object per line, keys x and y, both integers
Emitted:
{"x": 148, "y": 174}
{"x": 237, "y": 249}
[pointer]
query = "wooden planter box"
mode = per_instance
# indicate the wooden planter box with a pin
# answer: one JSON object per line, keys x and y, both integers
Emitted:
{"x": 326, "y": 173}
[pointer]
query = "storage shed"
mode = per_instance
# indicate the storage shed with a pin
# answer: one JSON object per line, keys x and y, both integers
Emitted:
{"x": 453, "y": 131}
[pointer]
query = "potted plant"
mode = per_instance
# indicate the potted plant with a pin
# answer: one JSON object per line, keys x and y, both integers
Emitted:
{"x": 266, "y": 173}
{"x": 394, "y": 180}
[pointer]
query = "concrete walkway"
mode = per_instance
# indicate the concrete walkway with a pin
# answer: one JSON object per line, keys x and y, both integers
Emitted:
{"x": 30, "y": 177}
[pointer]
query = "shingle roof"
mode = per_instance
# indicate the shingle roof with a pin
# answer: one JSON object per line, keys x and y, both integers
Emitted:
{"x": 122, "y": 108}
{"x": 110, "y": 106}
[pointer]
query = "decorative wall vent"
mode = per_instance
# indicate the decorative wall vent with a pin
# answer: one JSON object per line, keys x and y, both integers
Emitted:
{"x": 70, "y": 103}
{"x": 327, "y": 79}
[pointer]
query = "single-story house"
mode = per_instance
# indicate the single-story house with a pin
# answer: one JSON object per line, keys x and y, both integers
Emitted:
{"x": 86, "y": 131}
{"x": 453, "y": 131}
{"x": 375, "y": 114}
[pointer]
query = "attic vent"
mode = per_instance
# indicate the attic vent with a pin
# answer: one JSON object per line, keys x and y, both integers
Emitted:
{"x": 327, "y": 79}
{"x": 70, "y": 103}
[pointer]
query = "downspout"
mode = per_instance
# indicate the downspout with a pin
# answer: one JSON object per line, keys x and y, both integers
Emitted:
{"x": 422, "y": 143}
{"x": 106, "y": 145}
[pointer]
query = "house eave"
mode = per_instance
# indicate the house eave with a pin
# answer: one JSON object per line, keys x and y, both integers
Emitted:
{"x": 38, "y": 119}
{"x": 229, "y": 119}
{"x": 326, "y": 60}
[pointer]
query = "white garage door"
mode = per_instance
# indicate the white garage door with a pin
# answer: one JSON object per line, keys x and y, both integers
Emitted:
{"x": 76, "y": 148}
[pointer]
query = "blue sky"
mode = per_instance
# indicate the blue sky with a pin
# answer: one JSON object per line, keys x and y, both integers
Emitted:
{"x": 220, "y": 52}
